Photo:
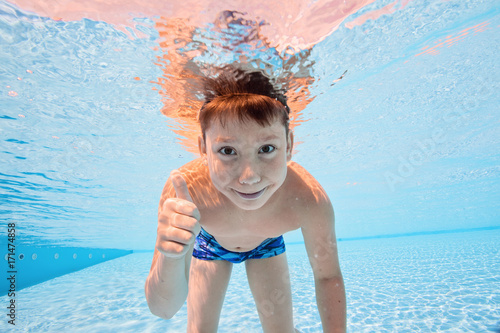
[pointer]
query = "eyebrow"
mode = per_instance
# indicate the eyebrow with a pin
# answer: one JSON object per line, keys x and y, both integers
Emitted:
{"x": 270, "y": 137}
{"x": 224, "y": 139}
{"x": 230, "y": 139}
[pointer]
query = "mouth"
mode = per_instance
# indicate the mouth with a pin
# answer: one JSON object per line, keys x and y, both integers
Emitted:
{"x": 251, "y": 196}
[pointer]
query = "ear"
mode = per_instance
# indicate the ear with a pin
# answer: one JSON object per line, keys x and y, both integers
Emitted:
{"x": 202, "y": 147}
{"x": 289, "y": 146}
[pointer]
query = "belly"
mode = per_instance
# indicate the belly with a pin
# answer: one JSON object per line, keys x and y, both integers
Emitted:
{"x": 243, "y": 233}
{"x": 244, "y": 239}
{"x": 239, "y": 244}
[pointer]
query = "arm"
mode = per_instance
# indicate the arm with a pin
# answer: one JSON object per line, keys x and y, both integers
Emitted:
{"x": 166, "y": 286}
{"x": 321, "y": 246}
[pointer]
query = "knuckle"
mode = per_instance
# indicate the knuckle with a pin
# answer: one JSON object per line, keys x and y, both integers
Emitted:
{"x": 162, "y": 220}
{"x": 189, "y": 223}
{"x": 168, "y": 206}
{"x": 169, "y": 202}
{"x": 194, "y": 213}
{"x": 194, "y": 224}
{"x": 189, "y": 237}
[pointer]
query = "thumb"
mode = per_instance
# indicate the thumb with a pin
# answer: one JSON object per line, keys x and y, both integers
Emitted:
{"x": 180, "y": 186}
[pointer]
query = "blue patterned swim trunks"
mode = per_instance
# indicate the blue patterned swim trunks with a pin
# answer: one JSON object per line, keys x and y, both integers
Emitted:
{"x": 207, "y": 248}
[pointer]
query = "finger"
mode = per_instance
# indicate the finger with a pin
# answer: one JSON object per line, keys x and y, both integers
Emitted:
{"x": 180, "y": 206}
{"x": 172, "y": 249}
{"x": 181, "y": 236}
{"x": 180, "y": 186}
{"x": 184, "y": 222}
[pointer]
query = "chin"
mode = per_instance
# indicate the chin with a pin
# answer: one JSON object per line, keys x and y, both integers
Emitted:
{"x": 249, "y": 206}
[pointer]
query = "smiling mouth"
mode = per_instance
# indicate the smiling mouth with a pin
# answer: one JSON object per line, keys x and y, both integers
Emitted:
{"x": 251, "y": 196}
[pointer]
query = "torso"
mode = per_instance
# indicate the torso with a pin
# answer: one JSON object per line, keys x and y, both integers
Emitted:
{"x": 243, "y": 230}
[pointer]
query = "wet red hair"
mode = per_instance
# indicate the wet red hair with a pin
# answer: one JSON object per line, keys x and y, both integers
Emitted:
{"x": 238, "y": 95}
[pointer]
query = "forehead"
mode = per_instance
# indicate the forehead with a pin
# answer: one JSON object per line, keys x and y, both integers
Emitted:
{"x": 235, "y": 130}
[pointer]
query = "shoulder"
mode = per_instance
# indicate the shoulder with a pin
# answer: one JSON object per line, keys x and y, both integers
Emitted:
{"x": 188, "y": 171}
{"x": 309, "y": 196}
{"x": 306, "y": 185}
{"x": 200, "y": 187}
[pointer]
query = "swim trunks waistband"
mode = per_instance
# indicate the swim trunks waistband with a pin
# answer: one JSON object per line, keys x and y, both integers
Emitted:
{"x": 207, "y": 248}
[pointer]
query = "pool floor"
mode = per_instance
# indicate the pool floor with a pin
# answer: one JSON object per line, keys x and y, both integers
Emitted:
{"x": 436, "y": 283}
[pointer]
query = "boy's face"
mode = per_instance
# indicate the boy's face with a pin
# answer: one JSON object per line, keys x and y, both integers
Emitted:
{"x": 247, "y": 162}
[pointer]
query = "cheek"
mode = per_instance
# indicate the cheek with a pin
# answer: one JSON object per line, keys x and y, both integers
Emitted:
{"x": 282, "y": 158}
{"x": 277, "y": 167}
{"x": 219, "y": 172}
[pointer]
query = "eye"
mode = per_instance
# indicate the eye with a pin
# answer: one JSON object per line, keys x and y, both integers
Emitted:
{"x": 227, "y": 151}
{"x": 267, "y": 149}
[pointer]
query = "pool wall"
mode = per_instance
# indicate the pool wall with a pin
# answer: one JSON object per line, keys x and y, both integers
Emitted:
{"x": 28, "y": 265}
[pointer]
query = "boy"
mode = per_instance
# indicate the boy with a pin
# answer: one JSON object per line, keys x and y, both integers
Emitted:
{"x": 233, "y": 204}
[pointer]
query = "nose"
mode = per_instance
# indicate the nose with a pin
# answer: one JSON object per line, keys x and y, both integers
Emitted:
{"x": 249, "y": 174}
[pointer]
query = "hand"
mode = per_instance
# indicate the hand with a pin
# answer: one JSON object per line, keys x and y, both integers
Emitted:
{"x": 178, "y": 221}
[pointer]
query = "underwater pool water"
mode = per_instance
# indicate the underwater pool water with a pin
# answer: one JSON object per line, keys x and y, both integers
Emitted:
{"x": 394, "y": 109}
